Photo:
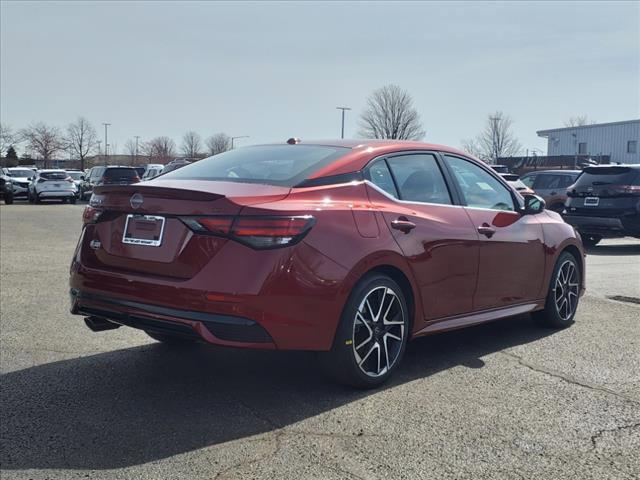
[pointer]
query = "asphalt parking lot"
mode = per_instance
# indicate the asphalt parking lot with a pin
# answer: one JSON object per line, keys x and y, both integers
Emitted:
{"x": 505, "y": 400}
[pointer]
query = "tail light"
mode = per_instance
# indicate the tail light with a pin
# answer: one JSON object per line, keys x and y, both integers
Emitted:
{"x": 260, "y": 232}
{"x": 90, "y": 214}
{"x": 627, "y": 189}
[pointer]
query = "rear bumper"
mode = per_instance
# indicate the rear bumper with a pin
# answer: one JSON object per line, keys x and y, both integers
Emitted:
{"x": 606, "y": 226}
{"x": 213, "y": 328}
{"x": 57, "y": 194}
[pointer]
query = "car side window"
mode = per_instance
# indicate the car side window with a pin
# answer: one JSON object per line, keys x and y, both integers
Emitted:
{"x": 567, "y": 180}
{"x": 380, "y": 176}
{"x": 529, "y": 180}
{"x": 547, "y": 182}
{"x": 419, "y": 178}
{"x": 479, "y": 188}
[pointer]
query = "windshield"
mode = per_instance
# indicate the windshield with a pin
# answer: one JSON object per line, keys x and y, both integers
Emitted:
{"x": 20, "y": 172}
{"x": 120, "y": 174}
{"x": 281, "y": 165}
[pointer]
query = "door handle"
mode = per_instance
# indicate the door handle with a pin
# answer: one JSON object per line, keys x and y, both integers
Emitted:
{"x": 486, "y": 230}
{"x": 403, "y": 224}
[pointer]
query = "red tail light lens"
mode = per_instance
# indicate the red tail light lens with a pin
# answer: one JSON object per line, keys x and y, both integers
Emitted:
{"x": 91, "y": 214}
{"x": 627, "y": 189}
{"x": 259, "y": 232}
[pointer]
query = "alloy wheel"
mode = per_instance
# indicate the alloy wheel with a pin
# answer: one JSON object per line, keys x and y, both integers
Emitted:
{"x": 566, "y": 290}
{"x": 378, "y": 331}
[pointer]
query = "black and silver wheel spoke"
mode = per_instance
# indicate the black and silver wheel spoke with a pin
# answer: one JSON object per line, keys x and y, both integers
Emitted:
{"x": 566, "y": 290}
{"x": 378, "y": 331}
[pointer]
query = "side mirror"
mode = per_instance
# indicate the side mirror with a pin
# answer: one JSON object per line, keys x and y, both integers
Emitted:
{"x": 81, "y": 177}
{"x": 533, "y": 204}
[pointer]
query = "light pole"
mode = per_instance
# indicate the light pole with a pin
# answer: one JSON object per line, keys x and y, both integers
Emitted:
{"x": 106, "y": 145}
{"x": 135, "y": 161}
{"x": 233, "y": 138}
{"x": 343, "y": 109}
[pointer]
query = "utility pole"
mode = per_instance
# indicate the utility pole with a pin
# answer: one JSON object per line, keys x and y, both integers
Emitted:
{"x": 106, "y": 145}
{"x": 343, "y": 109}
{"x": 233, "y": 138}
{"x": 135, "y": 161}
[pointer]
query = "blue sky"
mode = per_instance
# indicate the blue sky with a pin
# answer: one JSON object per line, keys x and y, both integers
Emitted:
{"x": 275, "y": 70}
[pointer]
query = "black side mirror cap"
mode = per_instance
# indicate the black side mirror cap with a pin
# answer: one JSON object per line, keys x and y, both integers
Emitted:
{"x": 533, "y": 204}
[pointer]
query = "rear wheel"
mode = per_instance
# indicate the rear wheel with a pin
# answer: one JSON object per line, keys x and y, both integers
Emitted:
{"x": 372, "y": 335}
{"x": 169, "y": 339}
{"x": 30, "y": 197}
{"x": 72, "y": 200}
{"x": 591, "y": 240}
{"x": 563, "y": 295}
{"x": 8, "y": 198}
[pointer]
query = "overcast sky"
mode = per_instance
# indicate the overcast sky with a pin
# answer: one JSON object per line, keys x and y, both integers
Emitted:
{"x": 276, "y": 70}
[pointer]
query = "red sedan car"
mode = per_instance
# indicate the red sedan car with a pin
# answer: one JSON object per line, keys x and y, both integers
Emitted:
{"x": 348, "y": 248}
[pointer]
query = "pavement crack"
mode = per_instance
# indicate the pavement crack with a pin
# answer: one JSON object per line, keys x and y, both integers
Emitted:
{"x": 569, "y": 379}
{"x": 599, "y": 433}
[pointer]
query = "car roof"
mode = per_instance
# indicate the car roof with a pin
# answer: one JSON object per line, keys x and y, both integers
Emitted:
{"x": 363, "y": 150}
{"x": 553, "y": 171}
{"x": 52, "y": 170}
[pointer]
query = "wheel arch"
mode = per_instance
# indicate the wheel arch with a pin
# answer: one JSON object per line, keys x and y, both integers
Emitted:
{"x": 577, "y": 254}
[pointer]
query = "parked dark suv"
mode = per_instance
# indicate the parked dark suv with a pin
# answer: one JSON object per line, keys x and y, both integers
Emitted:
{"x": 551, "y": 185}
{"x": 107, "y": 176}
{"x": 605, "y": 202}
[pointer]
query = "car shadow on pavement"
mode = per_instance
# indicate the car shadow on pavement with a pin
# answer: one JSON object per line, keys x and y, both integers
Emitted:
{"x": 615, "y": 250}
{"x": 133, "y": 406}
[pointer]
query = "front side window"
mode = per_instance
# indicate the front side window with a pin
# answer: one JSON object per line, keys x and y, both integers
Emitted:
{"x": 547, "y": 182}
{"x": 478, "y": 187}
{"x": 380, "y": 176}
{"x": 419, "y": 179}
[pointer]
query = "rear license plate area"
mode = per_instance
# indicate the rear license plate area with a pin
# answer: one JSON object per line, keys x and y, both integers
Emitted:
{"x": 591, "y": 201}
{"x": 143, "y": 230}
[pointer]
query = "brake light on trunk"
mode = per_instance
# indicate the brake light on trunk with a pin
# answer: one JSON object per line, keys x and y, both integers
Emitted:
{"x": 90, "y": 214}
{"x": 627, "y": 189}
{"x": 260, "y": 232}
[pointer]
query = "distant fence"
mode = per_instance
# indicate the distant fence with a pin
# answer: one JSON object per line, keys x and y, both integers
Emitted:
{"x": 522, "y": 165}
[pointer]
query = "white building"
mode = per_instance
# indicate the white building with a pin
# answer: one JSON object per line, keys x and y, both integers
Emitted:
{"x": 619, "y": 140}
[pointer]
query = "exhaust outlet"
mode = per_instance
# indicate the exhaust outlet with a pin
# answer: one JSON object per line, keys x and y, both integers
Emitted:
{"x": 99, "y": 324}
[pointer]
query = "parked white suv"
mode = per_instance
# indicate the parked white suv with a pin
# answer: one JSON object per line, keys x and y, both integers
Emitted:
{"x": 20, "y": 178}
{"x": 152, "y": 170}
{"x": 52, "y": 184}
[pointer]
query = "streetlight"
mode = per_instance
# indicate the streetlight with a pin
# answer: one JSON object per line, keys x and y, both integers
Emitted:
{"x": 106, "y": 145}
{"x": 233, "y": 138}
{"x": 135, "y": 161}
{"x": 343, "y": 109}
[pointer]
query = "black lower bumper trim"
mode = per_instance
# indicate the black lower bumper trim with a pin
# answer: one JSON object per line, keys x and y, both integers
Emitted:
{"x": 224, "y": 327}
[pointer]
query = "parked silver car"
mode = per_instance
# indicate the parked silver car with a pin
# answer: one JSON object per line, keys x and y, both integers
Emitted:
{"x": 20, "y": 179}
{"x": 52, "y": 185}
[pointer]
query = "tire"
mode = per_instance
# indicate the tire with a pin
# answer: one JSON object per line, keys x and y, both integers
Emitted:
{"x": 563, "y": 295}
{"x": 8, "y": 199}
{"x": 169, "y": 339}
{"x": 591, "y": 240}
{"x": 358, "y": 355}
{"x": 37, "y": 198}
{"x": 72, "y": 200}
{"x": 30, "y": 197}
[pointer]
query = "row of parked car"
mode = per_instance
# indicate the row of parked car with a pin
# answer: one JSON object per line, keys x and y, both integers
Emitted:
{"x": 599, "y": 201}
{"x": 70, "y": 185}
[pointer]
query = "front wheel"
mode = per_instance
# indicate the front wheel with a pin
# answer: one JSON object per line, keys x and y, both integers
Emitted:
{"x": 563, "y": 294}
{"x": 372, "y": 335}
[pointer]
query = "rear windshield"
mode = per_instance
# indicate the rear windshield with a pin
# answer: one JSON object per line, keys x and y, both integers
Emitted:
{"x": 75, "y": 175}
{"x": 120, "y": 173}
{"x": 609, "y": 176}
{"x": 282, "y": 165}
{"x": 53, "y": 175}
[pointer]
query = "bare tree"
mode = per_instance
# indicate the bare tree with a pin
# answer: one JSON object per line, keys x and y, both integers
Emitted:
{"x": 191, "y": 144}
{"x": 160, "y": 149}
{"x": 390, "y": 114}
{"x": 81, "y": 139}
{"x": 578, "y": 121}
{"x": 7, "y": 137}
{"x": 43, "y": 140}
{"x": 495, "y": 141}
{"x": 131, "y": 149}
{"x": 218, "y": 143}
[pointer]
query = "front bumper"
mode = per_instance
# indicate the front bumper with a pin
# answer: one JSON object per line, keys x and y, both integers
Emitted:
{"x": 19, "y": 191}
{"x": 219, "y": 329}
